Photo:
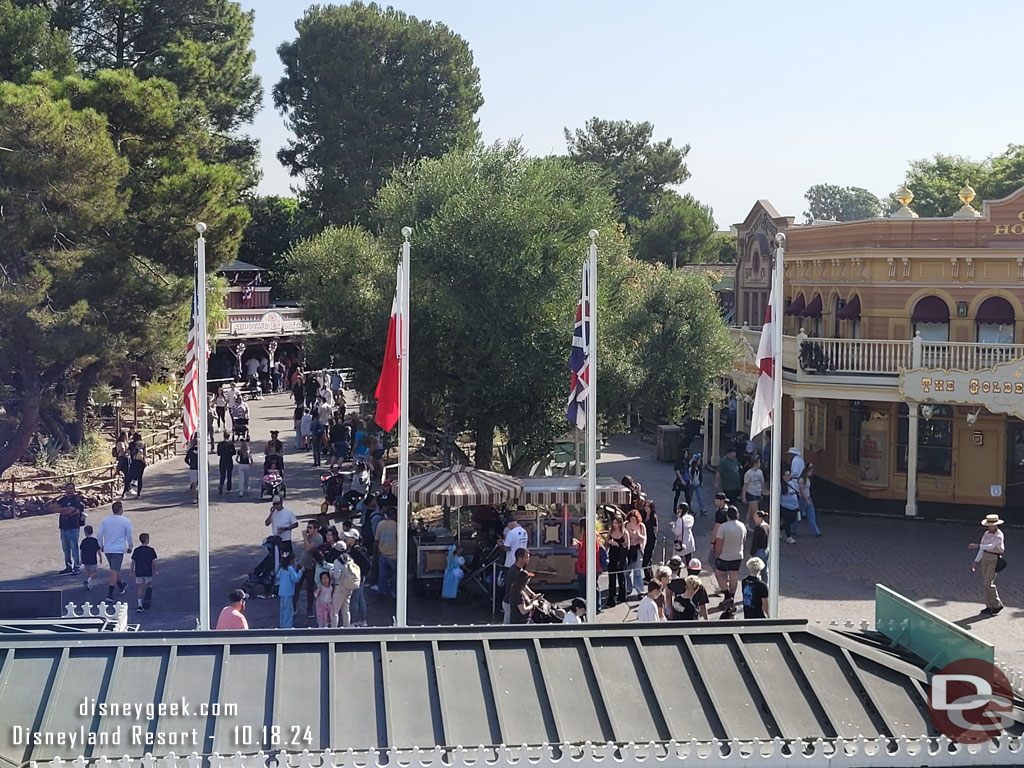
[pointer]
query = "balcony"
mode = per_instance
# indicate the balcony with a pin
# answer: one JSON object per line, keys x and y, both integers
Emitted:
{"x": 875, "y": 360}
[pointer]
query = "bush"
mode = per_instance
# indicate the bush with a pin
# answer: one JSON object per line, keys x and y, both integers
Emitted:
{"x": 161, "y": 396}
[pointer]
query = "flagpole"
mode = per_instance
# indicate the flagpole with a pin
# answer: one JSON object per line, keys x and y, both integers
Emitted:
{"x": 401, "y": 612}
{"x": 591, "y": 538}
{"x": 204, "y": 426}
{"x": 775, "y": 516}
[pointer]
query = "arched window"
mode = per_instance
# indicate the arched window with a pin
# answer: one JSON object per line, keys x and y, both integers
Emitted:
{"x": 931, "y": 319}
{"x": 994, "y": 321}
{"x": 812, "y": 317}
{"x": 851, "y": 312}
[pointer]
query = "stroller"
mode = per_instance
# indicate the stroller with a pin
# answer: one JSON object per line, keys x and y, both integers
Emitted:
{"x": 273, "y": 484}
{"x": 239, "y": 428}
{"x": 262, "y": 576}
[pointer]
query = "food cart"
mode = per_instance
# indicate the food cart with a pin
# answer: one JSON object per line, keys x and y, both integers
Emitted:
{"x": 554, "y": 506}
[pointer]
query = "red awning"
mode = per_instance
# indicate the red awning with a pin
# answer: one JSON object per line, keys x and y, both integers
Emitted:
{"x": 795, "y": 306}
{"x": 930, "y": 309}
{"x": 995, "y": 310}
{"x": 851, "y": 311}
{"x": 814, "y": 308}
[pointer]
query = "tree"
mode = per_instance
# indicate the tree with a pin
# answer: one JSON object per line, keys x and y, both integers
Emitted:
{"x": 28, "y": 44}
{"x": 59, "y": 191}
{"x": 366, "y": 90}
{"x": 937, "y": 181}
{"x": 828, "y": 202}
{"x": 680, "y": 225}
{"x": 274, "y": 227}
{"x": 202, "y": 46}
{"x": 723, "y": 246}
{"x": 638, "y": 169}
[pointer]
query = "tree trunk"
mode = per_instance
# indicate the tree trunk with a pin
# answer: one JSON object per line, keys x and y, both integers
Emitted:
{"x": 484, "y": 434}
{"x": 31, "y": 398}
{"x": 86, "y": 383}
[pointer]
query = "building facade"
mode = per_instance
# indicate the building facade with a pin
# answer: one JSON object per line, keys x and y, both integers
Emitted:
{"x": 903, "y": 353}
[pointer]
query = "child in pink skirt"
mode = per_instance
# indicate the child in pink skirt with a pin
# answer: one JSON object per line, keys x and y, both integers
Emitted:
{"x": 324, "y": 596}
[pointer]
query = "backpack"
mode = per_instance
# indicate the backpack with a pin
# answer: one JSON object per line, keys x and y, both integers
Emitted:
{"x": 602, "y": 556}
{"x": 345, "y": 573}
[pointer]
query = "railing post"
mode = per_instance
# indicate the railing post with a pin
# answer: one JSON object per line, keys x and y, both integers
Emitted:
{"x": 915, "y": 351}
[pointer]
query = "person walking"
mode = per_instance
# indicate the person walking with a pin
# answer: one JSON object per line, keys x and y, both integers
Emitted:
{"x": 220, "y": 405}
{"x": 681, "y": 479}
{"x": 796, "y": 461}
{"x": 684, "y": 544}
{"x": 728, "y": 479}
{"x": 232, "y": 615}
{"x": 311, "y": 540}
{"x": 226, "y": 453}
{"x": 617, "y": 541}
{"x": 192, "y": 460}
{"x": 753, "y": 485}
{"x": 789, "y": 505}
{"x": 637, "y": 534}
{"x": 316, "y": 437}
{"x": 696, "y": 483}
{"x": 755, "y": 591}
{"x": 759, "y": 536}
{"x": 806, "y": 502}
{"x": 990, "y": 555}
{"x": 244, "y": 461}
{"x": 386, "y": 546}
{"x": 72, "y": 518}
{"x": 121, "y": 457}
{"x": 137, "y": 467}
{"x": 729, "y": 553}
{"x": 649, "y": 516}
{"x": 288, "y": 575}
{"x": 648, "y": 611}
{"x": 115, "y": 538}
{"x": 143, "y": 569}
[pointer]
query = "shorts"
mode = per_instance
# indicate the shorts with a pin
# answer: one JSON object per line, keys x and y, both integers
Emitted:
{"x": 114, "y": 560}
{"x": 89, "y": 566}
{"x": 752, "y": 498}
{"x": 143, "y": 579}
{"x": 727, "y": 565}
{"x": 193, "y": 475}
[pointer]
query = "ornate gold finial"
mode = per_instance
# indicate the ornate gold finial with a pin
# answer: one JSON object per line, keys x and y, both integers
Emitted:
{"x": 966, "y": 194}
{"x": 904, "y": 196}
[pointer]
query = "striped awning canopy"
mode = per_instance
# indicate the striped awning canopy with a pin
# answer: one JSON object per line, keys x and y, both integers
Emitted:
{"x": 462, "y": 486}
{"x": 572, "y": 490}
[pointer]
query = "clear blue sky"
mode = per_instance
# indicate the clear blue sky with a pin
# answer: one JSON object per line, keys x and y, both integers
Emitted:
{"x": 772, "y": 97}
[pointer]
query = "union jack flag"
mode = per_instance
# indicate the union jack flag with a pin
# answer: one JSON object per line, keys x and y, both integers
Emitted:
{"x": 190, "y": 397}
{"x": 579, "y": 358}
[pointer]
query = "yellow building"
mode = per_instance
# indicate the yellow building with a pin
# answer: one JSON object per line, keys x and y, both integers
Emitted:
{"x": 903, "y": 371}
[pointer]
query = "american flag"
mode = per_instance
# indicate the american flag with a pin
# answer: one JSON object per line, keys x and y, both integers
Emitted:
{"x": 579, "y": 358}
{"x": 249, "y": 289}
{"x": 191, "y": 390}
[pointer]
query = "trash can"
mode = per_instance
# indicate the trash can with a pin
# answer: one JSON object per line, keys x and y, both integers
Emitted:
{"x": 668, "y": 442}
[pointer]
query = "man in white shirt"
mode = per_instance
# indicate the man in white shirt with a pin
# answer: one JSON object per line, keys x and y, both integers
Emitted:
{"x": 796, "y": 462}
{"x": 647, "y": 610}
{"x": 115, "y": 538}
{"x": 517, "y": 537}
{"x": 252, "y": 366}
{"x": 991, "y": 548}
{"x": 282, "y": 522}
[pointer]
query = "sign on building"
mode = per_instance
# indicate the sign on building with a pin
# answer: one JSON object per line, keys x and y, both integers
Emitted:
{"x": 999, "y": 389}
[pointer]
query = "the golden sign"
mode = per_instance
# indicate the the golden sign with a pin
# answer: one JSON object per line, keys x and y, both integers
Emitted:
{"x": 999, "y": 389}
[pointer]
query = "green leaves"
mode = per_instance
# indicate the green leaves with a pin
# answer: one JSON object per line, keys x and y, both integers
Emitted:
{"x": 366, "y": 90}
{"x": 828, "y": 202}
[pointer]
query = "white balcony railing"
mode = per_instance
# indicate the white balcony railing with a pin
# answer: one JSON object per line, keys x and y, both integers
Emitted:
{"x": 882, "y": 357}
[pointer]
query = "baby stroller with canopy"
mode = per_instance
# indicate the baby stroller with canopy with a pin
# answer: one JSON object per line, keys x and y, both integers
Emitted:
{"x": 273, "y": 477}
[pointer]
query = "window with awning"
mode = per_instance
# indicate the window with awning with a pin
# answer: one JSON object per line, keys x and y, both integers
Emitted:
{"x": 851, "y": 311}
{"x": 994, "y": 321}
{"x": 931, "y": 319}
{"x": 813, "y": 309}
{"x": 796, "y": 306}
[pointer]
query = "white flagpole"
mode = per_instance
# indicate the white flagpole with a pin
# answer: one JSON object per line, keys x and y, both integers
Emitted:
{"x": 591, "y": 538}
{"x": 774, "y": 515}
{"x": 403, "y": 450}
{"x": 204, "y": 458}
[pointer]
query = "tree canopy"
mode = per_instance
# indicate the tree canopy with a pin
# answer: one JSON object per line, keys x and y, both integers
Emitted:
{"x": 936, "y": 181}
{"x": 498, "y": 244}
{"x": 679, "y": 224}
{"x": 365, "y": 90}
{"x": 28, "y": 44}
{"x": 829, "y": 202}
{"x": 275, "y": 225}
{"x": 639, "y": 169}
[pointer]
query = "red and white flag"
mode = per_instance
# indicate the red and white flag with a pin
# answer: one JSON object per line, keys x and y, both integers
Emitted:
{"x": 389, "y": 408}
{"x": 764, "y": 397}
{"x": 190, "y": 422}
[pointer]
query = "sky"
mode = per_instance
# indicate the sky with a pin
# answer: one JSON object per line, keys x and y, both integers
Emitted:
{"x": 771, "y": 97}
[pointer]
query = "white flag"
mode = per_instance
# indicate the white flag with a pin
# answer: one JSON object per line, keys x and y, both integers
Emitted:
{"x": 764, "y": 397}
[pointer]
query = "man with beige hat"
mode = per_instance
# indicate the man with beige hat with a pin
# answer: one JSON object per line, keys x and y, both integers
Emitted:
{"x": 990, "y": 553}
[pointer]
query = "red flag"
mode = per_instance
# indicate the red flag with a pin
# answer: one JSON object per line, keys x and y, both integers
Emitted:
{"x": 388, "y": 386}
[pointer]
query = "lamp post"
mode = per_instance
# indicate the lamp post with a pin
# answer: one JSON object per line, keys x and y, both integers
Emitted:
{"x": 239, "y": 351}
{"x": 118, "y": 405}
{"x": 135, "y": 402}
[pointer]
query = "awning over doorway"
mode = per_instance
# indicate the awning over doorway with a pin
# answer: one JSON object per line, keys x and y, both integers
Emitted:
{"x": 571, "y": 490}
{"x": 931, "y": 309}
{"x": 851, "y": 311}
{"x": 995, "y": 310}
{"x": 796, "y": 306}
{"x": 814, "y": 308}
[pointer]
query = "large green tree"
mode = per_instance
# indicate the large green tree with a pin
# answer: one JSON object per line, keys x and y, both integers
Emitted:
{"x": 638, "y": 168}
{"x": 936, "y": 181}
{"x": 680, "y": 225}
{"x": 60, "y": 193}
{"x": 498, "y": 242}
{"x": 275, "y": 225}
{"x": 830, "y": 202}
{"x": 29, "y": 44}
{"x": 366, "y": 89}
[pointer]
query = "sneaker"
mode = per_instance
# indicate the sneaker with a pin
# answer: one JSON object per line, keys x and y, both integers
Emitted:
{"x": 790, "y": 540}
{"x": 75, "y": 571}
{"x": 67, "y": 569}
{"x": 122, "y": 588}
{"x": 996, "y": 610}
{"x": 86, "y": 584}
{"x": 139, "y": 609}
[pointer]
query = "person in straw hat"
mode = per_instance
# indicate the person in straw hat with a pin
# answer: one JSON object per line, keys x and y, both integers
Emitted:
{"x": 989, "y": 552}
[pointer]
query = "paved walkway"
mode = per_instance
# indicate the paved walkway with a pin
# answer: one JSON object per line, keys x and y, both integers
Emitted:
{"x": 823, "y": 579}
